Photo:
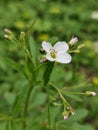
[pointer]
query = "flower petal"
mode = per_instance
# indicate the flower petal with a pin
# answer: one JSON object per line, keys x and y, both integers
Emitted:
{"x": 60, "y": 47}
{"x": 48, "y": 57}
{"x": 46, "y": 46}
{"x": 63, "y": 58}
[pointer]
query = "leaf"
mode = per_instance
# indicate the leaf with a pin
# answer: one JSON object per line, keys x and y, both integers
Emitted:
{"x": 51, "y": 116}
{"x": 13, "y": 125}
{"x": 33, "y": 50}
{"x": 48, "y": 72}
{"x": 75, "y": 97}
{"x": 83, "y": 127}
{"x": 10, "y": 97}
{"x": 29, "y": 70}
{"x": 29, "y": 31}
{"x": 14, "y": 65}
{"x": 9, "y": 125}
{"x": 53, "y": 39}
{"x": 80, "y": 114}
{"x": 2, "y": 63}
{"x": 19, "y": 100}
{"x": 2, "y": 125}
{"x": 38, "y": 100}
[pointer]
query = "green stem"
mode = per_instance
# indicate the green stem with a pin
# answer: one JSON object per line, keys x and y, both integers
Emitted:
{"x": 10, "y": 118}
{"x": 60, "y": 93}
{"x": 76, "y": 93}
{"x": 26, "y": 106}
{"x": 24, "y": 49}
{"x": 28, "y": 54}
{"x": 38, "y": 67}
{"x": 49, "y": 122}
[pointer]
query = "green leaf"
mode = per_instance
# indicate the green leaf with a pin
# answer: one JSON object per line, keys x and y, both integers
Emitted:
{"x": 2, "y": 63}
{"x": 33, "y": 50}
{"x": 14, "y": 65}
{"x": 2, "y": 125}
{"x": 30, "y": 28}
{"x": 12, "y": 125}
{"x": 29, "y": 70}
{"x": 48, "y": 72}
{"x": 75, "y": 97}
{"x": 80, "y": 114}
{"x": 83, "y": 127}
{"x": 51, "y": 116}
{"x": 17, "y": 106}
{"x": 10, "y": 97}
{"x": 9, "y": 125}
{"x": 38, "y": 99}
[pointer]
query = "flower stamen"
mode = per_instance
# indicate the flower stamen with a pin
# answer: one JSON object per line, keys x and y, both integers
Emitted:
{"x": 53, "y": 53}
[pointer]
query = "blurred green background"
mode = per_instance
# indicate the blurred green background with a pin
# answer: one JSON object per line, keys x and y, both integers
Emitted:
{"x": 54, "y": 20}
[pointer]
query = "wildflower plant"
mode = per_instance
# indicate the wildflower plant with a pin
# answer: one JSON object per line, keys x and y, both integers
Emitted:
{"x": 37, "y": 69}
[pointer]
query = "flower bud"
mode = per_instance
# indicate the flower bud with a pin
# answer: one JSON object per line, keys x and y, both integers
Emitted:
{"x": 43, "y": 59}
{"x": 42, "y": 51}
{"x": 56, "y": 104}
{"x": 65, "y": 117}
{"x": 72, "y": 111}
{"x": 81, "y": 46}
{"x": 7, "y": 31}
{"x": 65, "y": 114}
{"x": 89, "y": 93}
{"x": 6, "y": 36}
{"x": 22, "y": 34}
{"x": 73, "y": 41}
{"x": 77, "y": 51}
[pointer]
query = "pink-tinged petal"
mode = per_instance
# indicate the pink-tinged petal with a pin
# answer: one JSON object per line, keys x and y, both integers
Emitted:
{"x": 63, "y": 58}
{"x": 93, "y": 94}
{"x": 48, "y": 57}
{"x": 73, "y": 41}
{"x": 90, "y": 93}
{"x": 46, "y": 46}
{"x": 60, "y": 47}
{"x": 65, "y": 117}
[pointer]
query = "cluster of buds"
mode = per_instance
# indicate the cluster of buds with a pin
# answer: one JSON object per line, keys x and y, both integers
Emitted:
{"x": 67, "y": 112}
{"x": 22, "y": 39}
{"x": 8, "y": 34}
{"x": 79, "y": 48}
{"x": 22, "y": 35}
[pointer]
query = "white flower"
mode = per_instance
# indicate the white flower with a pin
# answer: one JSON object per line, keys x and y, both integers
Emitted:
{"x": 58, "y": 52}
{"x": 73, "y": 41}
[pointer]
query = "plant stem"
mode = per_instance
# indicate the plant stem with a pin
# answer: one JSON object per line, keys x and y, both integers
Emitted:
{"x": 38, "y": 67}
{"x": 26, "y": 106}
{"x": 49, "y": 118}
{"x": 75, "y": 93}
{"x": 49, "y": 122}
{"x": 60, "y": 93}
